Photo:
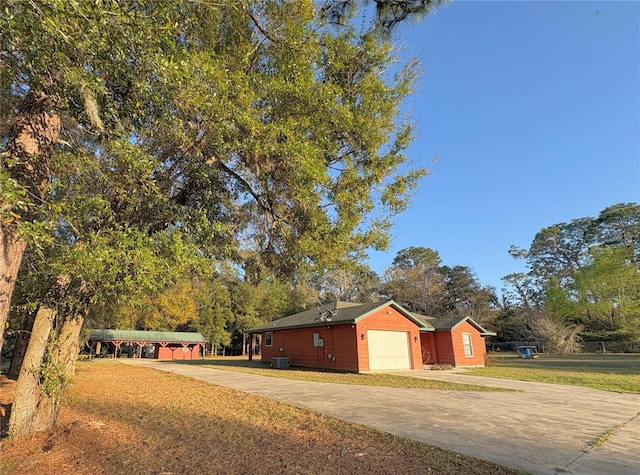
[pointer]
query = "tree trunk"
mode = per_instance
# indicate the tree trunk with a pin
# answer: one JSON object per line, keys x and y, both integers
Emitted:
{"x": 30, "y": 404}
{"x": 11, "y": 251}
{"x": 65, "y": 349}
{"x": 35, "y": 130}
{"x": 20, "y": 348}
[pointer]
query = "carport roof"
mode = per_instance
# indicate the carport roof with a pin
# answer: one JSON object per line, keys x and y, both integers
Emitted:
{"x": 334, "y": 312}
{"x": 148, "y": 336}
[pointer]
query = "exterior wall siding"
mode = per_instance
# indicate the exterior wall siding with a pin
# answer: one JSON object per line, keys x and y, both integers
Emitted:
{"x": 173, "y": 352}
{"x": 344, "y": 349}
{"x": 477, "y": 342}
{"x": 337, "y": 353}
{"x": 444, "y": 347}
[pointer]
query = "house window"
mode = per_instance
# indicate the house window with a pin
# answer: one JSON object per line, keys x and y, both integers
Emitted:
{"x": 268, "y": 339}
{"x": 468, "y": 347}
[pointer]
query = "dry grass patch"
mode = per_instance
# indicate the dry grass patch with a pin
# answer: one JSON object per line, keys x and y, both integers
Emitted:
{"x": 124, "y": 419}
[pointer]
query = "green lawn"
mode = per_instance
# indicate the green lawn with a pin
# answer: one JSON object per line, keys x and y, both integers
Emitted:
{"x": 308, "y": 374}
{"x": 611, "y": 372}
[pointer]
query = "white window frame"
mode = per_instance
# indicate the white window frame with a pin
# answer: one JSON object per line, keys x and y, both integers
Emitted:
{"x": 268, "y": 339}
{"x": 467, "y": 344}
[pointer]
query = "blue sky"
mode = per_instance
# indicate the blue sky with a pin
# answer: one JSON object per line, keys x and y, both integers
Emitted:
{"x": 534, "y": 111}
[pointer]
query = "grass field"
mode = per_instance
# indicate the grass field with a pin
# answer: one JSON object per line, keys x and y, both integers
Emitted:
{"x": 374, "y": 379}
{"x": 125, "y": 419}
{"x": 611, "y": 372}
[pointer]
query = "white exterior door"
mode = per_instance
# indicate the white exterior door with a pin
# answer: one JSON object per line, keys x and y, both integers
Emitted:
{"x": 388, "y": 350}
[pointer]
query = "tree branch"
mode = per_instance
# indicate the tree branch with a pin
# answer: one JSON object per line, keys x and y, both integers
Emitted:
{"x": 257, "y": 197}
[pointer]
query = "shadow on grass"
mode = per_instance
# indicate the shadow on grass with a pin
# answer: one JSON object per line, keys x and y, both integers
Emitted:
{"x": 133, "y": 420}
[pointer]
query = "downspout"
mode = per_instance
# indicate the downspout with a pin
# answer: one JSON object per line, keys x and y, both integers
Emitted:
{"x": 333, "y": 354}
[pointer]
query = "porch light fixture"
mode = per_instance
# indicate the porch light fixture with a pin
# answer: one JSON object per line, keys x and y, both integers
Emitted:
{"x": 415, "y": 338}
{"x": 362, "y": 336}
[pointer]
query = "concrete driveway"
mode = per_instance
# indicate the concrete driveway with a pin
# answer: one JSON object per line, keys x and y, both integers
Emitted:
{"x": 543, "y": 429}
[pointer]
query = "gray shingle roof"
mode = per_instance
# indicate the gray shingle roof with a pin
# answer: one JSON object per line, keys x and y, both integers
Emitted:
{"x": 427, "y": 322}
{"x": 451, "y": 322}
{"x": 334, "y": 312}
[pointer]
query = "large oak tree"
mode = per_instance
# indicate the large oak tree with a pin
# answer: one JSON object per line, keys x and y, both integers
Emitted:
{"x": 134, "y": 132}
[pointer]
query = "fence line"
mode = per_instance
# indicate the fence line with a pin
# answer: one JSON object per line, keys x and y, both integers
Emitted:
{"x": 587, "y": 346}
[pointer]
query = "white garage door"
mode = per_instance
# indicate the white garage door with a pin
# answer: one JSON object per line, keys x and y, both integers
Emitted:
{"x": 388, "y": 350}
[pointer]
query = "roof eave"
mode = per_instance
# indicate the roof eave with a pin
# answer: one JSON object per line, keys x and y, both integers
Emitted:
{"x": 302, "y": 325}
{"x": 398, "y": 307}
{"x": 483, "y": 331}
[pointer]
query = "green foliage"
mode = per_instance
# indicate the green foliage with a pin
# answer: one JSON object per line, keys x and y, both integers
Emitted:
{"x": 414, "y": 280}
{"x": 247, "y": 125}
{"x": 561, "y": 248}
{"x": 259, "y": 303}
{"x": 417, "y": 281}
{"x": 214, "y": 313}
{"x": 464, "y": 295}
{"x": 349, "y": 281}
{"x": 53, "y": 379}
{"x": 512, "y": 324}
{"x": 586, "y": 273}
{"x": 417, "y": 256}
{"x": 607, "y": 293}
{"x": 619, "y": 226}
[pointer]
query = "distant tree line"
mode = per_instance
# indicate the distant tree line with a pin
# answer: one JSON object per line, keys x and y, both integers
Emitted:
{"x": 582, "y": 284}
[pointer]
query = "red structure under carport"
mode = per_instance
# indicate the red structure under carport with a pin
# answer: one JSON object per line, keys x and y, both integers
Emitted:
{"x": 166, "y": 345}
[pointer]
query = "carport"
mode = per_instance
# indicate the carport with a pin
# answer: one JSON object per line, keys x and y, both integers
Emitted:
{"x": 166, "y": 345}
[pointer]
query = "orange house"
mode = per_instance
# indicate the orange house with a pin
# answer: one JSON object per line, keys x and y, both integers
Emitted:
{"x": 454, "y": 341}
{"x": 347, "y": 336}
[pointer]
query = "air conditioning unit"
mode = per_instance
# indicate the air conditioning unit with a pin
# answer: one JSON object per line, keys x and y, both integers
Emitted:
{"x": 280, "y": 362}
